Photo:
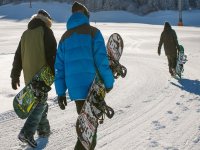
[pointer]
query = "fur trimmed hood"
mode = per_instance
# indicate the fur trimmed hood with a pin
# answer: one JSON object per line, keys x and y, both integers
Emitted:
{"x": 46, "y": 20}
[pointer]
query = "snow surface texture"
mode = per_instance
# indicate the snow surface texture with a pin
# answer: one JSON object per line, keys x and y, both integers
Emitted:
{"x": 152, "y": 110}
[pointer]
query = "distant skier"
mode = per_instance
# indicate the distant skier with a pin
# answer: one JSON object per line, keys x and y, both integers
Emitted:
{"x": 81, "y": 54}
{"x": 36, "y": 48}
{"x": 171, "y": 47}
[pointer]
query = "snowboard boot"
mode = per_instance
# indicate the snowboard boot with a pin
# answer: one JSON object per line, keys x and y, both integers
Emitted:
{"x": 29, "y": 140}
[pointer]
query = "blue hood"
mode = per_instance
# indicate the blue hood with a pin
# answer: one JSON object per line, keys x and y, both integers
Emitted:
{"x": 76, "y": 20}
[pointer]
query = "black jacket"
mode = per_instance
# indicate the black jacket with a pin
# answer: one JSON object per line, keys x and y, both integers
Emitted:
{"x": 169, "y": 38}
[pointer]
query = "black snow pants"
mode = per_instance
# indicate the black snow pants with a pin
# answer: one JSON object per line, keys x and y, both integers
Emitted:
{"x": 171, "y": 63}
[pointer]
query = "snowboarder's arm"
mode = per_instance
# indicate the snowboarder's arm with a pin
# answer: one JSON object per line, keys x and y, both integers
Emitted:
{"x": 60, "y": 84}
{"x": 17, "y": 64}
{"x": 50, "y": 47}
{"x": 101, "y": 60}
{"x": 160, "y": 44}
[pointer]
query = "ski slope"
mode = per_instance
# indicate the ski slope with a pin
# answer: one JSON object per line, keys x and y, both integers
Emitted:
{"x": 152, "y": 110}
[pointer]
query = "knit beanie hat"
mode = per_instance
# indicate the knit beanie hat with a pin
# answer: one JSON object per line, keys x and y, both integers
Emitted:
{"x": 167, "y": 26}
{"x": 44, "y": 13}
{"x": 78, "y": 6}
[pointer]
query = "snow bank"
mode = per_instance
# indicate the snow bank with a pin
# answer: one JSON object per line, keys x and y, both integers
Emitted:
{"x": 61, "y": 11}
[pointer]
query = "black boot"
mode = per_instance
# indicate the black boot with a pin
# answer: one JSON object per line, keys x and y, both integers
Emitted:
{"x": 30, "y": 140}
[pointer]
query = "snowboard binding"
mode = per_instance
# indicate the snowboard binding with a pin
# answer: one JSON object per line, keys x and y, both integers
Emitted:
{"x": 117, "y": 69}
{"x": 99, "y": 107}
{"x": 40, "y": 88}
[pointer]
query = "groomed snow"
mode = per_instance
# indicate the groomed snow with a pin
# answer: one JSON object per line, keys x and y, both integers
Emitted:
{"x": 152, "y": 110}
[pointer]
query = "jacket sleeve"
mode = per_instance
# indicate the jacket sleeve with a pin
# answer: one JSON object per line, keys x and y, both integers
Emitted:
{"x": 60, "y": 83}
{"x": 17, "y": 64}
{"x": 160, "y": 43}
{"x": 50, "y": 47}
{"x": 101, "y": 60}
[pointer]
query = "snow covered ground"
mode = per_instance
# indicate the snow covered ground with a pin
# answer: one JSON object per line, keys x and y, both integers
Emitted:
{"x": 152, "y": 110}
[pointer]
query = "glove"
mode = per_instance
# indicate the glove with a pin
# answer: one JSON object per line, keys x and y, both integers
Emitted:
{"x": 15, "y": 83}
{"x": 62, "y": 102}
{"x": 159, "y": 53}
{"x": 108, "y": 90}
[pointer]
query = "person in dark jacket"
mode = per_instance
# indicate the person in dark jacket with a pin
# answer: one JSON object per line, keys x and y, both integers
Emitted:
{"x": 81, "y": 53}
{"x": 36, "y": 48}
{"x": 171, "y": 46}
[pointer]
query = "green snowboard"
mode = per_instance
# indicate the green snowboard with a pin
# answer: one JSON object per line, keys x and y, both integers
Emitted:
{"x": 27, "y": 99}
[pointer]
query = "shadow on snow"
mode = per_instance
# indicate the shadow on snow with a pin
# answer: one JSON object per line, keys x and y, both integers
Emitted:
{"x": 41, "y": 144}
{"x": 191, "y": 86}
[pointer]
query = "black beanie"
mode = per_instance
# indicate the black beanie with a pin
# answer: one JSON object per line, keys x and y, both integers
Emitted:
{"x": 167, "y": 25}
{"x": 78, "y": 6}
{"x": 44, "y": 13}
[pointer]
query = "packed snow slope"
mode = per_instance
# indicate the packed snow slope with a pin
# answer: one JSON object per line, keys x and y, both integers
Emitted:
{"x": 61, "y": 11}
{"x": 152, "y": 110}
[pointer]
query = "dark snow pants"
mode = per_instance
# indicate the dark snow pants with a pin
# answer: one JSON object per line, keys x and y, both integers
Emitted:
{"x": 37, "y": 119}
{"x": 79, "y": 146}
{"x": 171, "y": 63}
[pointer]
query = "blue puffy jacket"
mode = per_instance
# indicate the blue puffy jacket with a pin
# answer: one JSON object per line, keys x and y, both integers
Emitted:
{"x": 81, "y": 52}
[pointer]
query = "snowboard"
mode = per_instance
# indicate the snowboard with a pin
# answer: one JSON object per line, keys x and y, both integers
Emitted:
{"x": 181, "y": 60}
{"x": 27, "y": 99}
{"x": 95, "y": 107}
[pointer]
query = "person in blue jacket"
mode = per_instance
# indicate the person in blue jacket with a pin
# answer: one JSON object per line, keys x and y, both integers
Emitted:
{"x": 80, "y": 55}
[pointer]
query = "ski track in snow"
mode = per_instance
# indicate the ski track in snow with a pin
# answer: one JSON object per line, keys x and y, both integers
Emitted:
{"x": 152, "y": 110}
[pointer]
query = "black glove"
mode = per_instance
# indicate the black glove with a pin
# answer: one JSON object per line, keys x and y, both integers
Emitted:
{"x": 15, "y": 83}
{"x": 159, "y": 53}
{"x": 108, "y": 90}
{"x": 62, "y": 102}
